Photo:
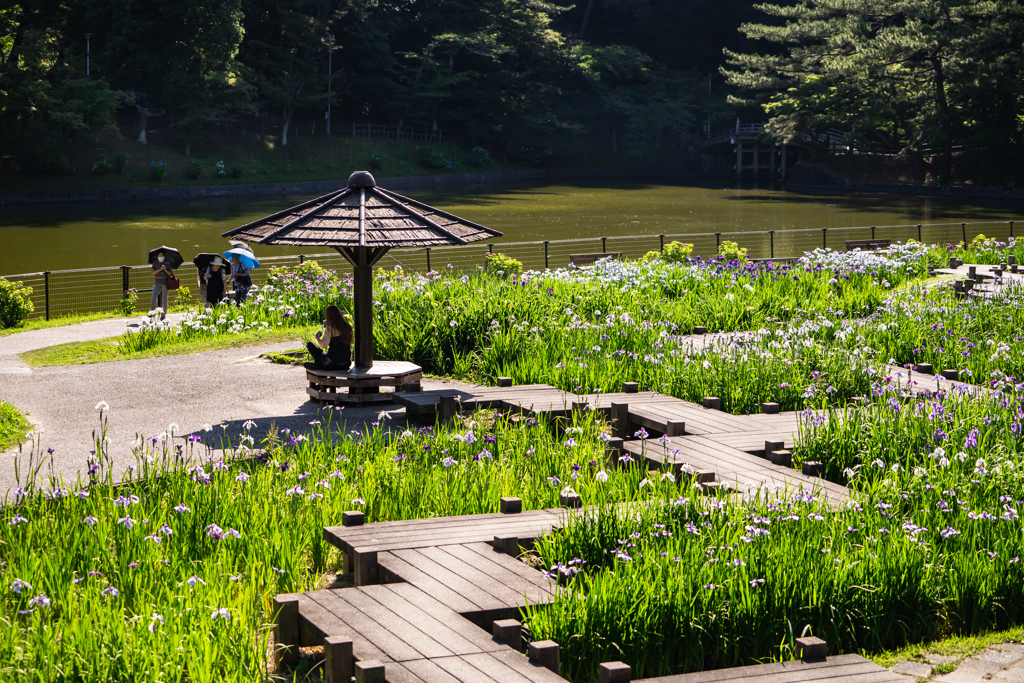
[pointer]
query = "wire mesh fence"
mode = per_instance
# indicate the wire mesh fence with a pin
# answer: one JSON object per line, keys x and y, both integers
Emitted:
{"x": 61, "y": 293}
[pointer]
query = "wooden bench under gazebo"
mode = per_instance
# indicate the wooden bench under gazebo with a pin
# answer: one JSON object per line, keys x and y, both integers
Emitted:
{"x": 363, "y": 384}
{"x": 363, "y": 222}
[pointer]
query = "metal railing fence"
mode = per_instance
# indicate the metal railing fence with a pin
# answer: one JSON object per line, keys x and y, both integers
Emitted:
{"x": 66, "y": 292}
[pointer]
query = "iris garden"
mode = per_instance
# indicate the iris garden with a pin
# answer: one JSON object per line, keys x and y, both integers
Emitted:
{"x": 169, "y": 574}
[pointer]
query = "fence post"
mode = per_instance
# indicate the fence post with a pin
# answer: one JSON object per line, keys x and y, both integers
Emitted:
{"x": 771, "y": 238}
{"x": 46, "y": 290}
{"x": 428, "y": 258}
{"x": 872, "y": 232}
{"x": 302, "y": 259}
{"x": 1011, "y": 228}
{"x": 661, "y": 239}
{"x": 124, "y": 281}
{"x": 963, "y": 227}
{"x": 824, "y": 238}
{"x": 490, "y": 248}
{"x": 604, "y": 245}
{"x": 718, "y": 241}
{"x": 919, "y": 233}
{"x": 545, "y": 254}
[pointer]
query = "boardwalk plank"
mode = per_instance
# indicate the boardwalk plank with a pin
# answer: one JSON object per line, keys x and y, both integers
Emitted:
{"x": 532, "y": 672}
{"x": 468, "y": 590}
{"x": 442, "y": 612}
{"x": 840, "y": 667}
{"x": 362, "y": 648}
{"x": 414, "y": 644}
{"x": 512, "y": 564}
{"x": 496, "y": 669}
{"x": 427, "y": 582}
{"x": 440, "y": 632}
{"x": 468, "y": 572}
{"x": 501, "y": 574}
{"x": 429, "y": 672}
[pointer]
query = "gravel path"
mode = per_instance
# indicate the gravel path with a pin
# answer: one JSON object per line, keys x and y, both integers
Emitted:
{"x": 226, "y": 387}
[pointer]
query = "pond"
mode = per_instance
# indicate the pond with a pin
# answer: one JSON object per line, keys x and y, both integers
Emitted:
{"x": 53, "y": 237}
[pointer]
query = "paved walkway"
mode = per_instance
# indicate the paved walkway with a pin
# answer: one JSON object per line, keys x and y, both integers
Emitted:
{"x": 1003, "y": 663}
{"x": 226, "y": 387}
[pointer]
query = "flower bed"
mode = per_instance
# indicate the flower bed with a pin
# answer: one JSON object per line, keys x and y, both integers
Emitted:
{"x": 930, "y": 545}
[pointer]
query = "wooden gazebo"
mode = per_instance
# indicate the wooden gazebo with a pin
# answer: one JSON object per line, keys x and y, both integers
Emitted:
{"x": 363, "y": 222}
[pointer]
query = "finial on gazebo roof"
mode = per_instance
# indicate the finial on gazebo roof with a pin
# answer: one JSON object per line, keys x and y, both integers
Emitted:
{"x": 361, "y": 179}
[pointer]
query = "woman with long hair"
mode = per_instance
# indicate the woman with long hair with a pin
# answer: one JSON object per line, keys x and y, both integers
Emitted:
{"x": 336, "y": 340}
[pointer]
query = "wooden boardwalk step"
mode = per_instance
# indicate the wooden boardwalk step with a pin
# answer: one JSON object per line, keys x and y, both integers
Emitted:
{"x": 839, "y": 669}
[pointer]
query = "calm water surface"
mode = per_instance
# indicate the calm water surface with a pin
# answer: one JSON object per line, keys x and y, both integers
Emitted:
{"x": 50, "y": 237}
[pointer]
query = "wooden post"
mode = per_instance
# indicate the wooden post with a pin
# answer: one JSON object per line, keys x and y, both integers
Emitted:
{"x": 286, "y": 629}
{"x": 545, "y": 653}
{"x": 365, "y": 567}
{"x": 507, "y": 544}
{"x": 447, "y": 408}
{"x": 511, "y": 505}
{"x": 811, "y": 648}
{"x": 757, "y": 157}
{"x": 784, "y": 162}
{"x": 510, "y": 632}
{"x": 370, "y": 671}
{"x": 338, "y": 663}
{"x": 362, "y": 260}
{"x": 620, "y": 419}
{"x": 739, "y": 158}
{"x": 614, "y": 672}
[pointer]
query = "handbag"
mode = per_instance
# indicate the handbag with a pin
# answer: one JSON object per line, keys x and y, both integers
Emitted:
{"x": 172, "y": 283}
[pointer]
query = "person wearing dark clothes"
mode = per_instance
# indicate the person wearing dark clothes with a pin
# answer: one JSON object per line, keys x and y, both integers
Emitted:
{"x": 215, "y": 277}
{"x": 336, "y": 340}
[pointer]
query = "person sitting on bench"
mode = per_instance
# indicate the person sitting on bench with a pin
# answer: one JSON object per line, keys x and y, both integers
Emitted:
{"x": 336, "y": 340}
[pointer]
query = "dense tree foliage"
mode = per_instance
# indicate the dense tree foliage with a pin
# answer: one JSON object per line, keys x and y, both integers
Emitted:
{"x": 915, "y": 73}
{"x": 525, "y": 78}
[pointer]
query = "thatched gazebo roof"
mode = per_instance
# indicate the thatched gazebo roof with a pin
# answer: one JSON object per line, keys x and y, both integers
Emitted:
{"x": 363, "y": 215}
{"x": 362, "y": 222}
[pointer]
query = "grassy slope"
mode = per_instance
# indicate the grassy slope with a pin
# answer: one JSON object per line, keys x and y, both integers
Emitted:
{"x": 13, "y": 426}
{"x": 103, "y": 350}
{"x": 262, "y": 158}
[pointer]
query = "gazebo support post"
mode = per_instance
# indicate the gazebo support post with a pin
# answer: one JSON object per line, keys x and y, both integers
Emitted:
{"x": 362, "y": 260}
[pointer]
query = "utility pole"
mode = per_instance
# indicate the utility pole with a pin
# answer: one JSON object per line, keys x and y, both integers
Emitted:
{"x": 330, "y": 72}
{"x": 87, "y": 46}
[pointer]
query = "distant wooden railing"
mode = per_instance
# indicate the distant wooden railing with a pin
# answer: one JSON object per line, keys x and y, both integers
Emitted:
{"x": 370, "y": 130}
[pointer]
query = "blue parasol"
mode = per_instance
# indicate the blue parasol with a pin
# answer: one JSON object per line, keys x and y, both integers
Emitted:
{"x": 245, "y": 256}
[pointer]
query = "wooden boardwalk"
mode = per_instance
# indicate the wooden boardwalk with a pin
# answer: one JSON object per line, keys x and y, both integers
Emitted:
{"x": 439, "y": 603}
{"x": 435, "y": 600}
{"x": 840, "y": 669}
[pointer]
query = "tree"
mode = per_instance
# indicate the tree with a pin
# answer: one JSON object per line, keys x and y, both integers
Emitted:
{"x": 289, "y": 55}
{"x": 863, "y": 63}
{"x": 174, "y": 55}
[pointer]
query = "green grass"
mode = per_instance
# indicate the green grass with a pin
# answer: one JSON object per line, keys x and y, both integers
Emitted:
{"x": 13, "y": 426}
{"x": 263, "y": 160}
{"x": 105, "y": 350}
{"x": 295, "y": 357}
{"x": 42, "y": 323}
{"x": 248, "y": 529}
{"x": 960, "y": 647}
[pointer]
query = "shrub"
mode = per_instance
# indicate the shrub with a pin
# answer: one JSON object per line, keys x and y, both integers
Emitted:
{"x": 432, "y": 157}
{"x": 237, "y": 171}
{"x": 308, "y": 273}
{"x": 677, "y": 252}
{"x": 102, "y": 166}
{"x": 377, "y": 160}
{"x": 15, "y": 303}
{"x": 479, "y": 156}
{"x": 130, "y": 302}
{"x": 121, "y": 163}
{"x": 194, "y": 169}
{"x": 218, "y": 169}
{"x": 732, "y": 251}
{"x": 157, "y": 170}
{"x": 502, "y": 265}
